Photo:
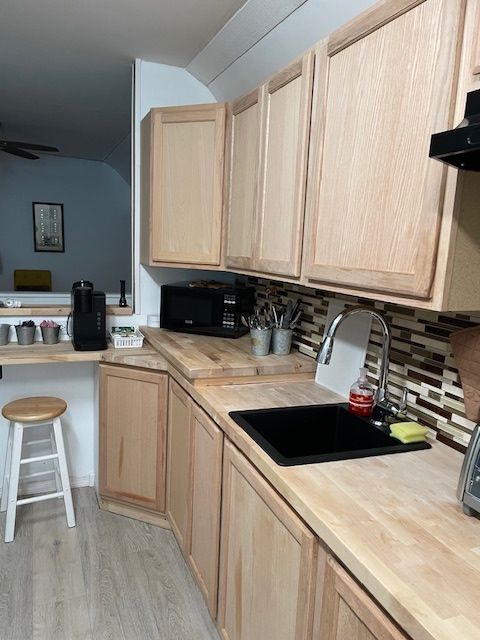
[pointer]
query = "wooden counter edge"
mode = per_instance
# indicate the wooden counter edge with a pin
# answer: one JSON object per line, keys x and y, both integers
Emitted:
{"x": 49, "y": 310}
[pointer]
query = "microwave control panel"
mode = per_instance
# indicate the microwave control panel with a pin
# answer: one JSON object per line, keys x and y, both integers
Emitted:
{"x": 229, "y": 308}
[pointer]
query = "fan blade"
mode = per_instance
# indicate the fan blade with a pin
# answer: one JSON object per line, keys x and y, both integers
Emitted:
{"x": 27, "y": 145}
{"x": 19, "y": 153}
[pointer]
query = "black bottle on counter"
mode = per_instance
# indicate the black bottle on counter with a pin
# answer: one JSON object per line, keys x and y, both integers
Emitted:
{"x": 123, "y": 301}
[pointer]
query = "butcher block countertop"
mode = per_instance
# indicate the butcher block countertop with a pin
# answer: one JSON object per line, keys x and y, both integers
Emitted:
{"x": 393, "y": 520}
{"x": 206, "y": 357}
{"x": 40, "y": 353}
{"x": 196, "y": 357}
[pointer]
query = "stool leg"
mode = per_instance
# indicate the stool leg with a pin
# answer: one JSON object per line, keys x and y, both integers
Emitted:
{"x": 58, "y": 483}
{"x": 6, "y": 472}
{"x": 62, "y": 463}
{"x": 13, "y": 482}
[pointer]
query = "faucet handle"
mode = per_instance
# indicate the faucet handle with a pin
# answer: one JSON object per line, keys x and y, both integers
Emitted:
{"x": 386, "y": 411}
{"x": 403, "y": 402}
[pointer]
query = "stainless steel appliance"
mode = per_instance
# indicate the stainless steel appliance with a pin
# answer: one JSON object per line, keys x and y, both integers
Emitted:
{"x": 468, "y": 491}
{"x": 208, "y": 308}
{"x": 88, "y": 317}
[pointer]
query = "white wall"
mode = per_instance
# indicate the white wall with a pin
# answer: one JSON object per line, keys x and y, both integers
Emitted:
{"x": 96, "y": 210}
{"x": 120, "y": 159}
{"x": 76, "y": 385}
{"x": 311, "y": 22}
{"x": 159, "y": 85}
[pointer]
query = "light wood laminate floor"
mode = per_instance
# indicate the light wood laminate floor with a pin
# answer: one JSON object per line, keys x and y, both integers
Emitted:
{"x": 110, "y": 577}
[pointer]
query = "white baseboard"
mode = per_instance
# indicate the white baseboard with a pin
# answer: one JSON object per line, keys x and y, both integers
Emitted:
{"x": 43, "y": 486}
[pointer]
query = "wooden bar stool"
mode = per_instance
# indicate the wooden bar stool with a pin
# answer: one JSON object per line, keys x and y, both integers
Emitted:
{"x": 28, "y": 413}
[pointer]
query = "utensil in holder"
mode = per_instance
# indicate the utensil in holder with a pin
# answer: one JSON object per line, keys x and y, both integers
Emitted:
{"x": 4, "y": 331}
{"x": 281, "y": 341}
{"x": 25, "y": 335}
{"x": 260, "y": 341}
{"x": 50, "y": 334}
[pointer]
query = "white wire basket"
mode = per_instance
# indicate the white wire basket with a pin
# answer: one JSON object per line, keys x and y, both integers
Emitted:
{"x": 120, "y": 341}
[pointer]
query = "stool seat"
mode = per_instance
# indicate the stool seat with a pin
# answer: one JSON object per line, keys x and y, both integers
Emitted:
{"x": 37, "y": 409}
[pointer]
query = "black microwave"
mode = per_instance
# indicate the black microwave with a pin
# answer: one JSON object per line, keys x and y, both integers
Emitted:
{"x": 207, "y": 308}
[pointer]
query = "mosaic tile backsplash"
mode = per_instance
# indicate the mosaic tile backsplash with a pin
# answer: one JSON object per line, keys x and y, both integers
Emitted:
{"x": 421, "y": 358}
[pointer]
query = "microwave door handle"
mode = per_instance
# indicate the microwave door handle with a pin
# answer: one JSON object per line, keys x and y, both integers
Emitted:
{"x": 471, "y": 456}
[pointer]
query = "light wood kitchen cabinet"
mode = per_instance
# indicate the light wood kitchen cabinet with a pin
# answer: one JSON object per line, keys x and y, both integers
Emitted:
{"x": 194, "y": 486}
{"x": 244, "y": 122}
{"x": 269, "y": 134}
{"x": 179, "y": 447}
{"x": 349, "y": 612}
{"x": 133, "y": 420}
{"x": 206, "y": 490}
{"x": 379, "y": 210}
{"x": 182, "y": 185}
{"x": 267, "y": 559}
{"x": 283, "y": 173}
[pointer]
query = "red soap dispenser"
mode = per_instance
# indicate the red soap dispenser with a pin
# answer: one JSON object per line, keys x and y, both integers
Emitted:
{"x": 361, "y": 397}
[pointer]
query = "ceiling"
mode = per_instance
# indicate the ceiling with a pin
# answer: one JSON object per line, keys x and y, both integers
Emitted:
{"x": 65, "y": 65}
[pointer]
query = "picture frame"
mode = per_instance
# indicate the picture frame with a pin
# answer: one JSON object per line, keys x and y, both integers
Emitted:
{"x": 48, "y": 234}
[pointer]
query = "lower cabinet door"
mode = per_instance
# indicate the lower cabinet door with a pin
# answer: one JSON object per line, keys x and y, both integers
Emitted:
{"x": 133, "y": 416}
{"x": 206, "y": 491}
{"x": 267, "y": 559}
{"x": 348, "y": 612}
{"x": 178, "y": 461}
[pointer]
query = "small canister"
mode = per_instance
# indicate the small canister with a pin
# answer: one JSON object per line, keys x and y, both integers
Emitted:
{"x": 282, "y": 341}
{"x": 4, "y": 331}
{"x": 260, "y": 340}
{"x": 153, "y": 321}
{"x": 25, "y": 334}
{"x": 50, "y": 334}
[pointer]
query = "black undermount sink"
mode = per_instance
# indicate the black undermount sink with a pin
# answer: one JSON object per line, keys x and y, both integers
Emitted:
{"x": 317, "y": 433}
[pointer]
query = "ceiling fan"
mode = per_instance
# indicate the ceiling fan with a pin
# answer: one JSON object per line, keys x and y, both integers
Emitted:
{"x": 18, "y": 149}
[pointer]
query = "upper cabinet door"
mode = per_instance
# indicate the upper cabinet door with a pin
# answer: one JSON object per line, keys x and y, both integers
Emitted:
{"x": 384, "y": 85}
{"x": 186, "y": 177}
{"x": 281, "y": 200}
{"x": 244, "y": 122}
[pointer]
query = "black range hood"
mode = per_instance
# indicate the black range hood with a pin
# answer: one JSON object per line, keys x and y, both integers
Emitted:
{"x": 460, "y": 147}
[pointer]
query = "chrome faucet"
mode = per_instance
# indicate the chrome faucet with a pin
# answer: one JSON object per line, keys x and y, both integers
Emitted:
{"x": 384, "y": 409}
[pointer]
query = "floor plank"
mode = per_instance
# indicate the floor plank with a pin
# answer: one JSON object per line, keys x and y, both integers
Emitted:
{"x": 62, "y": 620}
{"x": 57, "y": 568}
{"x": 108, "y": 578}
{"x": 16, "y": 585}
{"x": 181, "y": 612}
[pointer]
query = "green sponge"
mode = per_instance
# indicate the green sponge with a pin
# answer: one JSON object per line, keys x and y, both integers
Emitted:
{"x": 408, "y": 432}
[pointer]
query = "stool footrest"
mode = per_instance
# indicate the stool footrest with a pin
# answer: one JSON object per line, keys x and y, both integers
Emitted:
{"x": 31, "y": 443}
{"x": 50, "y": 456}
{"x": 46, "y": 496}
{"x": 38, "y": 474}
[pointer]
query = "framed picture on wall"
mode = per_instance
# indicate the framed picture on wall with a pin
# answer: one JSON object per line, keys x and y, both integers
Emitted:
{"x": 48, "y": 226}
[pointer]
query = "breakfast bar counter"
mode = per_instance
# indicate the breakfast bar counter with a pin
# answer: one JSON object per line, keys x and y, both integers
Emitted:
{"x": 40, "y": 353}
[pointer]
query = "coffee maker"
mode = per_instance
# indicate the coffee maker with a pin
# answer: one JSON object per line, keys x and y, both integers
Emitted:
{"x": 88, "y": 317}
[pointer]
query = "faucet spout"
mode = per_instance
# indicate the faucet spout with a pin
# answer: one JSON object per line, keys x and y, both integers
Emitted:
{"x": 325, "y": 351}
